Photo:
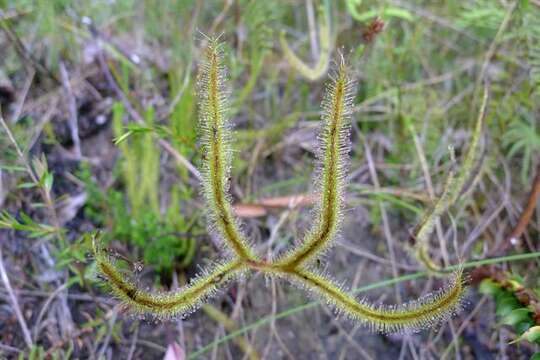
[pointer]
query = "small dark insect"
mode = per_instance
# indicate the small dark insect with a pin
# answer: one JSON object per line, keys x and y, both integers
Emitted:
{"x": 373, "y": 29}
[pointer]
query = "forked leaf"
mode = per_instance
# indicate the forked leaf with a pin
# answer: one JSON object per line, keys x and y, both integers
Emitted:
{"x": 294, "y": 265}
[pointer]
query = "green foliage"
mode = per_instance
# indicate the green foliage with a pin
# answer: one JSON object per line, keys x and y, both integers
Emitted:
{"x": 140, "y": 169}
{"x": 260, "y": 21}
{"x": 26, "y": 224}
{"x": 41, "y": 179}
{"x": 523, "y": 138}
{"x": 482, "y": 16}
{"x": 161, "y": 20}
{"x": 183, "y": 118}
{"x": 36, "y": 353}
{"x": 386, "y": 12}
{"x": 511, "y": 311}
{"x": 165, "y": 238}
{"x": 531, "y": 27}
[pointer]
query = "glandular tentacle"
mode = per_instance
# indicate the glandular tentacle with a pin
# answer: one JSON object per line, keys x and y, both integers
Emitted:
{"x": 330, "y": 176}
{"x": 216, "y": 134}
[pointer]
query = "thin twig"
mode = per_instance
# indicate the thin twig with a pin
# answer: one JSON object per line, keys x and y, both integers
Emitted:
{"x": 112, "y": 321}
{"x": 22, "y": 98}
{"x": 415, "y": 85}
{"x": 312, "y": 29}
{"x": 15, "y": 303}
{"x": 72, "y": 119}
{"x": 495, "y": 43}
{"x": 429, "y": 184}
{"x": 26, "y": 55}
{"x": 462, "y": 327}
{"x": 18, "y": 149}
{"x": 77, "y": 297}
{"x": 133, "y": 345}
{"x": 5, "y": 347}
{"x": 349, "y": 338}
{"x": 45, "y": 307}
{"x": 384, "y": 215}
{"x": 351, "y": 248}
{"x": 60, "y": 344}
{"x": 229, "y": 324}
{"x": 139, "y": 119}
{"x": 526, "y": 214}
{"x": 489, "y": 217}
{"x": 45, "y": 194}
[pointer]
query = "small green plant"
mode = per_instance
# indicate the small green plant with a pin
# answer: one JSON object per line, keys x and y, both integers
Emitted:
{"x": 523, "y": 137}
{"x": 516, "y": 306}
{"x": 482, "y": 16}
{"x": 137, "y": 217}
{"x": 297, "y": 265}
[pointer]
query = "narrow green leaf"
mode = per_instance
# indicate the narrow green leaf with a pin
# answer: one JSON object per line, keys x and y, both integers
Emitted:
{"x": 26, "y": 185}
{"x": 48, "y": 181}
{"x": 489, "y": 287}
{"x": 516, "y": 316}
{"x": 119, "y": 139}
{"x": 506, "y": 305}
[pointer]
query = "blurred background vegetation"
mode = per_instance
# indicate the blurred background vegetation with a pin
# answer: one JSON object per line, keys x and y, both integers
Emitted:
{"x": 100, "y": 101}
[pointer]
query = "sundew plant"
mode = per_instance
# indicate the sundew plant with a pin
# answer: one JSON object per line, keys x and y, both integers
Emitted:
{"x": 298, "y": 265}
